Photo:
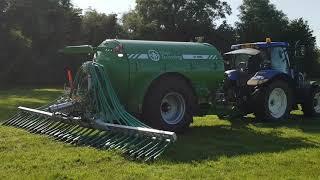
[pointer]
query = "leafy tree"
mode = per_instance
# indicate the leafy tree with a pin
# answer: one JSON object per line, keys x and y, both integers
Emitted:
{"x": 260, "y": 19}
{"x": 97, "y": 27}
{"x": 136, "y": 28}
{"x": 13, "y": 47}
{"x": 223, "y": 37}
{"x": 300, "y": 37}
{"x": 174, "y": 19}
{"x": 34, "y": 31}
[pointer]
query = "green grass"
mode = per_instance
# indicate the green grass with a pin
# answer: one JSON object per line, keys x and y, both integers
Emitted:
{"x": 212, "y": 149}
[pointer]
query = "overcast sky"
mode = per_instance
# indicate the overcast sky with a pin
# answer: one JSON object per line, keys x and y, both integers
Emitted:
{"x": 308, "y": 9}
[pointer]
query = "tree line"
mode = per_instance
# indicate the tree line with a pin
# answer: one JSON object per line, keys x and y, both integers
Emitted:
{"x": 32, "y": 32}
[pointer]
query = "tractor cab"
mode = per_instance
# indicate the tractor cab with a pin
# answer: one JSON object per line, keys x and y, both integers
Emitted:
{"x": 260, "y": 80}
{"x": 253, "y": 57}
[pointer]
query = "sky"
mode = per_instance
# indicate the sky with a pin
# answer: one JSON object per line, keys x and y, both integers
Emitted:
{"x": 308, "y": 9}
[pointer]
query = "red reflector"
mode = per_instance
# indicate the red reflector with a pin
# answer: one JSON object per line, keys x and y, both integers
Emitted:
{"x": 69, "y": 76}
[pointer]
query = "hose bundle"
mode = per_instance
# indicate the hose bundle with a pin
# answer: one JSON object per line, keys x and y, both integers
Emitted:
{"x": 94, "y": 117}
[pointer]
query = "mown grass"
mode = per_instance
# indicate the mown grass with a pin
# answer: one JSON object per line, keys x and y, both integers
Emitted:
{"x": 212, "y": 149}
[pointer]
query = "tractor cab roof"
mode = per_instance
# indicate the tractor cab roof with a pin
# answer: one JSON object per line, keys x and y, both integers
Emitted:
{"x": 259, "y": 45}
{"x": 248, "y": 51}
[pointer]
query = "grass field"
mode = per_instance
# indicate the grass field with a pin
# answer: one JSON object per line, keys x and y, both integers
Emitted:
{"x": 212, "y": 149}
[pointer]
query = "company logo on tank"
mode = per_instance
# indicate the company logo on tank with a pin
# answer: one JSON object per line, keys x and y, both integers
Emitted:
{"x": 154, "y": 55}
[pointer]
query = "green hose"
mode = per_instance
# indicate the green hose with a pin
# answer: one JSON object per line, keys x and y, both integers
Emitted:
{"x": 98, "y": 102}
{"x": 102, "y": 97}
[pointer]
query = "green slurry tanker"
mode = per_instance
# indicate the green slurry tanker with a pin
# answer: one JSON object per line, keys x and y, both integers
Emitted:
{"x": 134, "y": 95}
{"x": 161, "y": 83}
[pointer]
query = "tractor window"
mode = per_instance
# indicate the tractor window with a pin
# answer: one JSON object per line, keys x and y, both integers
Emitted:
{"x": 241, "y": 60}
{"x": 238, "y": 61}
{"x": 279, "y": 59}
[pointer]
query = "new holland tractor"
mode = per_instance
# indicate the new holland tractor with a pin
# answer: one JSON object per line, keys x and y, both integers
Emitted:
{"x": 134, "y": 95}
{"x": 259, "y": 79}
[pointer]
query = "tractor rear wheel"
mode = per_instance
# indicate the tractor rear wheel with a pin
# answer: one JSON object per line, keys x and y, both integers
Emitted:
{"x": 311, "y": 107}
{"x": 274, "y": 102}
{"x": 169, "y": 104}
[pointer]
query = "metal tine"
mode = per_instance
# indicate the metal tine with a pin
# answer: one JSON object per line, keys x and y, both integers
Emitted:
{"x": 32, "y": 127}
{"x": 131, "y": 143}
{"x": 56, "y": 129}
{"x": 116, "y": 141}
{"x": 14, "y": 116}
{"x": 14, "y": 122}
{"x": 33, "y": 123}
{"x": 93, "y": 135}
{"x": 26, "y": 118}
{"x": 86, "y": 133}
{"x": 50, "y": 128}
{"x": 106, "y": 144}
{"x": 41, "y": 129}
{"x": 19, "y": 121}
{"x": 136, "y": 146}
{"x": 94, "y": 140}
{"x": 83, "y": 137}
{"x": 152, "y": 147}
{"x": 75, "y": 137}
{"x": 67, "y": 134}
{"x": 78, "y": 136}
{"x": 12, "y": 119}
{"x": 141, "y": 149}
{"x": 120, "y": 143}
{"x": 124, "y": 143}
{"x": 71, "y": 135}
{"x": 29, "y": 119}
{"x": 63, "y": 130}
{"x": 36, "y": 124}
{"x": 103, "y": 139}
{"x": 110, "y": 138}
{"x": 159, "y": 152}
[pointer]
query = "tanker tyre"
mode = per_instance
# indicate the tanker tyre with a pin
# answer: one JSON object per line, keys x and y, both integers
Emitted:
{"x": 169, "y": 104}
{"x": 311, "y": 106}
{"x": 274, "y": 102}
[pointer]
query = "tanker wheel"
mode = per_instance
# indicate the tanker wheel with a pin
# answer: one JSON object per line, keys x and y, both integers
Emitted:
{"x": 169, "y": 104}
{"x": 274, "y": 102}
{"x": 311, "y": 107}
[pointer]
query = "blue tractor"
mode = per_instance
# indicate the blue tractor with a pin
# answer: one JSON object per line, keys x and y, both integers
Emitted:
{"x": 259, "y": 79}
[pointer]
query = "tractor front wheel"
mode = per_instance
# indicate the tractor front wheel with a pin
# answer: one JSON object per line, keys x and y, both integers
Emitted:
{"x": 274, "y": 102}
{"x": 311, "y": 107}
{"x": 169, "y": 104}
